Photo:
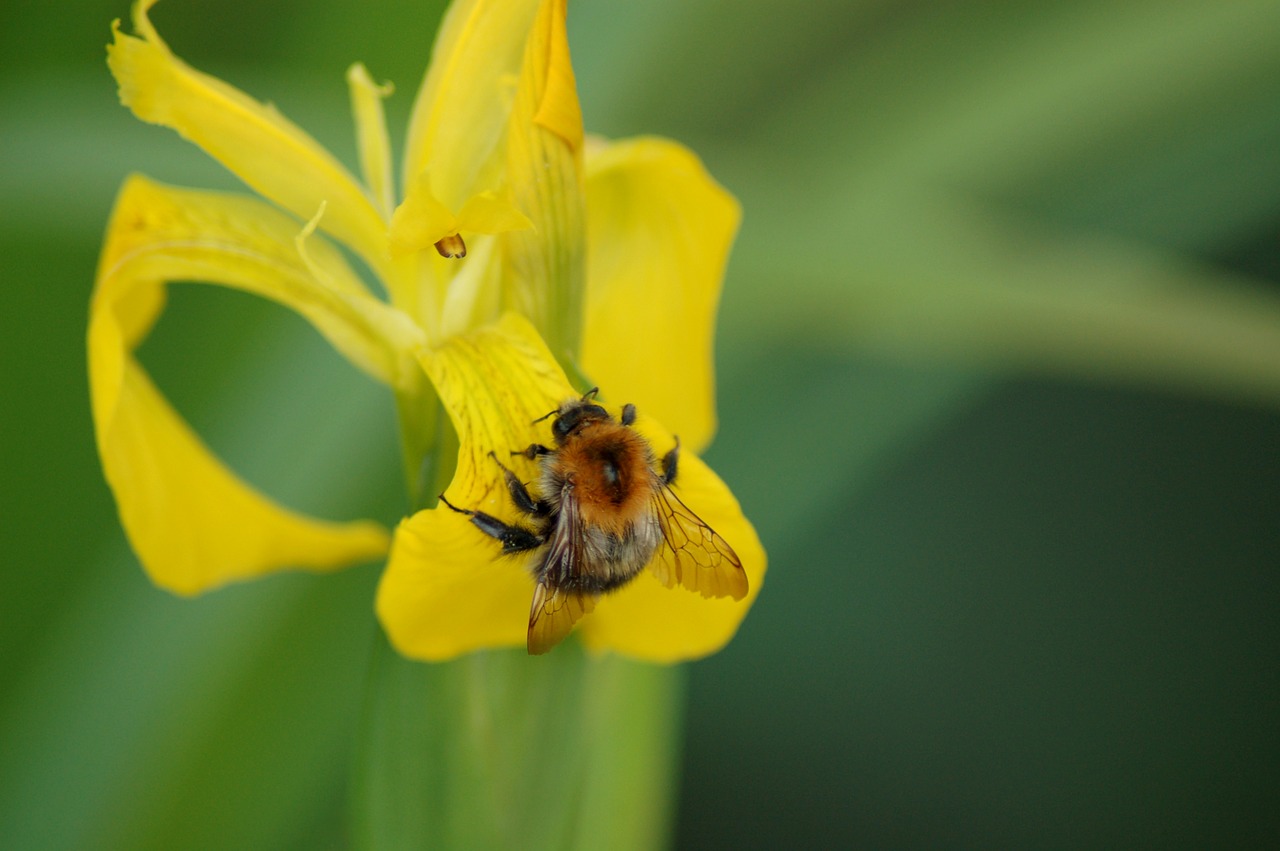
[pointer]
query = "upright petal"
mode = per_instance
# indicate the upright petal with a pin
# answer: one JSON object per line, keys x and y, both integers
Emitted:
{"x": 444, "y": 591}
{"x": 545, "y": 266}
{"x": 192, "y": 522}
{"x": 371, "y": 136}
{"x": 253, "y": 140}
{"x": 659, "y": 231}
{"x": 461, "y": 111}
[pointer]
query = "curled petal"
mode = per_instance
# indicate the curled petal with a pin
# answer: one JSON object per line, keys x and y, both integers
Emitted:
{"x": 659, "y": 231}
{"x": 446, "y": 591}
{"x": 554, "y": 86}
{"x": 193, "y": 523}
{"x": 161, "y": 233}
{"x": 253, "y": 140}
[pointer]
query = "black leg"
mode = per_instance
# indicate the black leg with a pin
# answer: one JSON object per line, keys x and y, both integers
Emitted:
{"x": 669, "y": 464}
{"x": 628, "y": 414}
{"x": 520, "y": 494}
{"x": 534, "y": 450}
{"x": 515, "y": 539}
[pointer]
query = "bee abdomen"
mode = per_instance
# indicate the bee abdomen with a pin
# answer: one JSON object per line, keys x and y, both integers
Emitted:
{"x": 610, "y": 560}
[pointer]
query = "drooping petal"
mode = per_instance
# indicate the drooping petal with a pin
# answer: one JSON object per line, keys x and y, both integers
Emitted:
{"x": 460, "y": 114}
{"x": 193, "y": 523}
{"x": 253, "y": 140}
{"x": 445, "y": 592}
{"x": 649, "y": 621}
{"x": 545, "y": 266}
{"x": 161, "y": 233}
{"x": 659, "y": 231}
{"x": 371, "y": 136}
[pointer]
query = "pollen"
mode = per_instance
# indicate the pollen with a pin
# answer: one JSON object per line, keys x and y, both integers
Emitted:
{"x": 451, "y": 246}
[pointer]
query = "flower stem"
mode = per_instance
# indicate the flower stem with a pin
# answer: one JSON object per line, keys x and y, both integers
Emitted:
{"x": 502, "y": 750}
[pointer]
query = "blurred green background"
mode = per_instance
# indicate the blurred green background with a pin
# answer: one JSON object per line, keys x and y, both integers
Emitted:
{"x": 999, "y": 383}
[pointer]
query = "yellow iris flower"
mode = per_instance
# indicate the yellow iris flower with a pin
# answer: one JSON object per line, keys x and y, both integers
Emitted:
{"x": 511, "y": 232}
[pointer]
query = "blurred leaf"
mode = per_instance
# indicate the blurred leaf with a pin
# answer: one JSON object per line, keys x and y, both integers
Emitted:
{"x": 797, "y": 428}
{"x": 947, "y": 280}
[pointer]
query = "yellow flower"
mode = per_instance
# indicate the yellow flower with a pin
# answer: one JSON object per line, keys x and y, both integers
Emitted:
{"x": 611, "y": 252}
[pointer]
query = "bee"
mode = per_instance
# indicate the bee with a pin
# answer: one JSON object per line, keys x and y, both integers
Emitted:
{"x": 603, "y": 512}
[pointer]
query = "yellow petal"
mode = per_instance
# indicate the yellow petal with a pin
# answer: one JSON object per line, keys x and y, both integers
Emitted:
{"x": 659, "y": 231}
{"x": 460, "y": 115}
{"x": 371, "y": 135}
{"x": 488, "y": 212}
{"x": 160, "y": 233}
{"x": 192, "y": 522}
{"x": 445, "y": 592}
{"x": 649, "y": 621}
{"x": 472, "y": 298}
{"x": 558, "y": 108}
{"x": 257, "y": 143}
{"x": 422, "y": 219}
{"x": 545, "y": 266}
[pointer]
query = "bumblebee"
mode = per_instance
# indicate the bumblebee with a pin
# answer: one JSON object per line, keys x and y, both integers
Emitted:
{"x": 604, "y": 510}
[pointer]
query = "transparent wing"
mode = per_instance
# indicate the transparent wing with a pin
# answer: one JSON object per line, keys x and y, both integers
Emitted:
{"x": 553, "y": 614}
{"x": 556, "y": 608}
{"x": 693, "y": 555}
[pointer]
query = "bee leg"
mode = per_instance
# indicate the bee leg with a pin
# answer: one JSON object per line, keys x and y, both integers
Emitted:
{"x": 534, "y": 450}
{"x": 669, "y": 464}
{"x": 520, "y": 494}
{"x": 628, "y": 414}
{"x": 515, "y": 539}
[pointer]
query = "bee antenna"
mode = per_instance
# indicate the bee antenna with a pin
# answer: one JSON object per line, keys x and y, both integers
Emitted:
{"x": 545, "y": 416}
{"x": 590, "y": 394}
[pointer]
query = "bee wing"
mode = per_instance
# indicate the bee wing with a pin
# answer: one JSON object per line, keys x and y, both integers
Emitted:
{"x": 556, "y": 608}
{"x": 553, "y": 614}
{"x": 693, "y": 555}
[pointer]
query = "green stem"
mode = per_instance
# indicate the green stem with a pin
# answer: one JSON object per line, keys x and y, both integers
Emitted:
{"x": 502, "y": 750}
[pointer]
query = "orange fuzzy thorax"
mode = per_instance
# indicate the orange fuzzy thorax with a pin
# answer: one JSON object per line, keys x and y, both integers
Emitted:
{"x": 611, "y": 470}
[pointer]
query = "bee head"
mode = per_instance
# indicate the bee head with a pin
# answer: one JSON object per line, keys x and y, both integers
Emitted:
{"x": 574, "y": 413}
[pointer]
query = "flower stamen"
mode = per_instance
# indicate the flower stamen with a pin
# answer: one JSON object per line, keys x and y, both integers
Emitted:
{"x": 451, "y": 246}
